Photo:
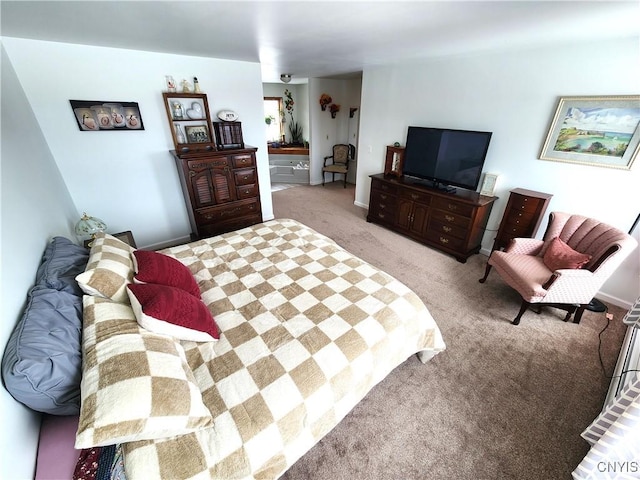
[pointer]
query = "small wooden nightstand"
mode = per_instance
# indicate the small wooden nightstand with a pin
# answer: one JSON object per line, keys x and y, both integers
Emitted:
{"x": 126, "y": 237}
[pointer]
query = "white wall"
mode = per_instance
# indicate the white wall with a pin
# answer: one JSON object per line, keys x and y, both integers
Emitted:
{"x": 35, "y": 206}
{"x": 327, "y": 131}
{"x": 514, "y": 95}
{"x": 127, "y": 178}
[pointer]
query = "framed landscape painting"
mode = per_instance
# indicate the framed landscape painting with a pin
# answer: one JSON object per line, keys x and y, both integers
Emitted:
{"x": 600, "y": 131}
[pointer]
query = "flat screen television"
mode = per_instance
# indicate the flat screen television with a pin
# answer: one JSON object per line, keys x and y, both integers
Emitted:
{"x": 445, "y": 158}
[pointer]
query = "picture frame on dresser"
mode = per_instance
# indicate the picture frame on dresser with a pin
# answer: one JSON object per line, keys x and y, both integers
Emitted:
{"x": 394, "y": 160}
{"x": 489, "y": 184}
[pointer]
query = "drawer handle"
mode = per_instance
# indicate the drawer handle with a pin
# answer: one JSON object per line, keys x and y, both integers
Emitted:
{"x": 414, "y": 196}
{"x": 452, "y": 207}
{"x": 446, "y": 229}
{"x": 444, "y": 240}
{"x": 381, "y": 215}
{"x": 247, "y": 191}
{"x": 245, "y": 177}
{"x": 382, "y": 205}
{"x": 449, "y": 218}
{"x": 385, "y": 187}
{"x": 383, "y": 197}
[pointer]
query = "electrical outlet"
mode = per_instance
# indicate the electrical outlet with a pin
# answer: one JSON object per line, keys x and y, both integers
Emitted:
{"x": 609, "y": 316}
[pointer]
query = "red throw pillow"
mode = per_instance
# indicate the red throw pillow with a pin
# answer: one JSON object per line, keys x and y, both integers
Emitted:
{"x": 172, "y": 311}
{"x": 154, "y": 267}
{"x": 559, "y": 256}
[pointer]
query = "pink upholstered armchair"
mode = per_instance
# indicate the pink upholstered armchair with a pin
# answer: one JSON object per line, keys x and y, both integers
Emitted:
{"x": 565, "y": 273}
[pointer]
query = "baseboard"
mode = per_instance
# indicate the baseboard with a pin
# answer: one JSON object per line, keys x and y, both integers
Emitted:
{"x": 618, "y": 302}
{"x": 360, "y": 204}
{"x": 168, "y": 243}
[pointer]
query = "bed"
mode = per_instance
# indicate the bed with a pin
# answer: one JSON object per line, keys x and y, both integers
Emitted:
{"x": 305, "y": 330}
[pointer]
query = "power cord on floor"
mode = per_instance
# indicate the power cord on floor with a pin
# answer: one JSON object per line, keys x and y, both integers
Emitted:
{"x": 609, "y": 317}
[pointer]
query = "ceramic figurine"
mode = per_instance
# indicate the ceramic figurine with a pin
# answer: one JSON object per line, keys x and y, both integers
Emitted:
{"x": 171, "y": 84}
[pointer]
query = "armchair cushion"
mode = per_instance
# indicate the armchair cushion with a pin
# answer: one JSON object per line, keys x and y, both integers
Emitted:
{"x": 559, "y": 255}
{"x": 525, "y": 273}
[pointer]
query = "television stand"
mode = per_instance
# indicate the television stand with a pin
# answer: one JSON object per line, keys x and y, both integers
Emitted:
{"x": 452, "y": 222}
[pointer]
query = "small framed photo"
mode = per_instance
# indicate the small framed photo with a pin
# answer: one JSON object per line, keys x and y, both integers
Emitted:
{"x": 489, "y": 184}
{"x": 394, "y": 160}
{"x": 197, "y": 134}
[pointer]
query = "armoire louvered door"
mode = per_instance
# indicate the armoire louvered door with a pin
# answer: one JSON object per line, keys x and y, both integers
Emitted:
{"x": 221, "y": 190}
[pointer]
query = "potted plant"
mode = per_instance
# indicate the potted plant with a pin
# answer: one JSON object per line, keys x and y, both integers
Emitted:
{"x": 295, "y": 129}
{"x": 268, "y": 119}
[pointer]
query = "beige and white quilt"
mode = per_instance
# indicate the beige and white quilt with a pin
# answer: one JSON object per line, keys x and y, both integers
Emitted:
{"x": 307, "y": 329}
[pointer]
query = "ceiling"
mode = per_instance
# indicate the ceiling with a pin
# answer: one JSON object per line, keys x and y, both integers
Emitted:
{"x": 320, "y": 38}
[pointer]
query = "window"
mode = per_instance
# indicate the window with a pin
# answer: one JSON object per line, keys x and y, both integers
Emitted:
{"x": 273, "y": 118}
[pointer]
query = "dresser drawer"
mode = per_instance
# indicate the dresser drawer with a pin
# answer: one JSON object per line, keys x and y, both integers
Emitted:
{"x": 451, "y": 219}
{"x": 215, "y": 214}
{"x": 247, "y": 191}
{"x": 419, "y": 197}
{"x": 245, "y": 177}
{"x": 515, "y": 231}
{"x": 240, "y": 161}
{"x": 447, "y": 229}
{"x": 377, "y": 184}
{"x": 524, "y": 204}
{"x": 228, "y": 225}
{"x": 452, "y": 206}
{"x": 446, "y": 241}
{"x": 382, "y": 201}
{"x": 198, "y": 165}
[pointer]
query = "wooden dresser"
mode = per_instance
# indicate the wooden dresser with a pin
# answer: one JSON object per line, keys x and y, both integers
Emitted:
{"x": 522, "y": 216}
{"x": 451, "y": 222}
{"x": 221, "y": 190}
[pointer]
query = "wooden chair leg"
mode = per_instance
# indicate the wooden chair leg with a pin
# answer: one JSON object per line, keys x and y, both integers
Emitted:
{"x": 523, "y": 308}
{"x": 345, "y": 180}
{"x": 486, "y": 273}
{"x": 578, "y": 316}
{"x": 323, "y": 175}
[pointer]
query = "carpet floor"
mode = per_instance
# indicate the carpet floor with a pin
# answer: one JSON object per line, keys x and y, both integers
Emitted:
{"x": 502, "y": 402}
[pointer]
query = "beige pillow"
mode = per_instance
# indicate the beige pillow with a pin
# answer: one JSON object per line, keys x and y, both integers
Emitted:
{"x": 109, "y": 270}
{"x": 136, "y": 385}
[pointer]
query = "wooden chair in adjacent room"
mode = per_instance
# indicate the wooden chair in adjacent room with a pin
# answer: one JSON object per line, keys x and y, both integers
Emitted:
{"x": 339, "y": 162}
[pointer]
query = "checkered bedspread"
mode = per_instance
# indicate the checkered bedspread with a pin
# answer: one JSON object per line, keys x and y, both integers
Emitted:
{"x": 307, "y": 330}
